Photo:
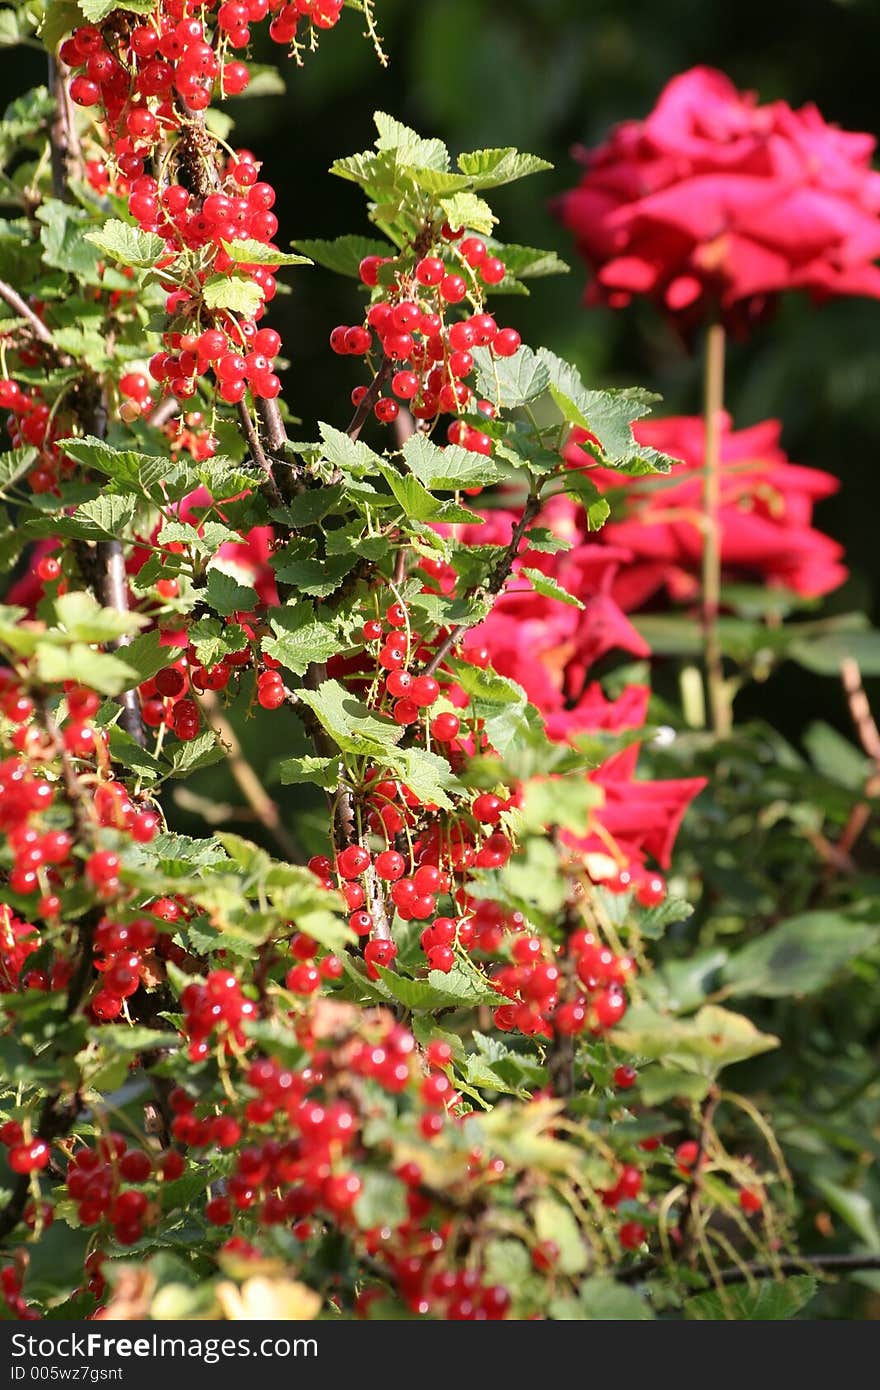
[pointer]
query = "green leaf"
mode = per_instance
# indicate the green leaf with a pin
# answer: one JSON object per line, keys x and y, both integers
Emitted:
{"x": 352, "y": 725}
{"x": 426, "y": 774}
{"x": 451, "y": 467}
{"x": 226, "y": 595}
{"x": 233, "y": 292}
{"x": 460, "y": 988}
{"x": 250, "y": 252}
{"x": 106, "y": 518}
{"x": 14, "y": 464}
{"x": 323, "y": 772}
{"x": 854, "y": 1208}
{"x": 549, "y": 587}
{"x": 296, "y": 563}
{"x": 80, "y": 617}
{"x": 763, "y": 1301}
{"x": 381, "y": 1201}
{"x": 301, "y": 638}
{"x": 467, "y": 210}
{"x": 561, "y": 801}
{"x": 103, "y": 672}
{"x": 351, "y": 455}
{"x": 63, "y": 238}
{"x": 213, "y": 640}
{"x": 604, "y": 1300}
{"x": 799, "y": 956}
{"x": 410, "y": 147}
{"x": 554, "y": 1221}
{"x": 509, "y": 382}
{"x": 345, "y": 254}
{"x": 713, "y": 1038}
{"x": 825, "y": 655}
{"x": 196, "y": 753}
{"x": 490, "y": 168}
{"x": 127, "y": 245}
{"x": 609, "y": 415}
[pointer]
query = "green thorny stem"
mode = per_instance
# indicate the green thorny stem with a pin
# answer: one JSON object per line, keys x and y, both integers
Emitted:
{"x": 713, "y": 405}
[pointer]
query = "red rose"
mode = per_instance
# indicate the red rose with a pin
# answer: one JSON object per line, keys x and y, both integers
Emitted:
{"x": 765, "y": 515}
{"x": 713, "y": 199}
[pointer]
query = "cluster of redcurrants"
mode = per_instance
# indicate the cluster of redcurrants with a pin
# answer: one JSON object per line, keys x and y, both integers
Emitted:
{"x": 431, "y": 357}
{"x": 219, "y": 1007}
{"x": 96, "y": 1178}
{"x": 119, "y": 960}
{"x": 585, "y": 990}
{"x": 141, "y": 73}
{"x": 10, "y": 1291}
{"x": 148, "y": 79}
{"x": 30, "y": 422}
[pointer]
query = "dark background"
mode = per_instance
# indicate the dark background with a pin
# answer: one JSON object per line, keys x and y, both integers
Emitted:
{"x": 546, "y": 75}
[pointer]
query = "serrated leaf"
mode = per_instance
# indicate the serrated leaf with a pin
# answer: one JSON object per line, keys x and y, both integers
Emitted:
{"x": 410, "y": 147}
{"x": 127, "y": 245}
{"x": 509, "y": 382}
{"x": 714, "y": 1037}
{"x": 451, "y": 467}
{"x": 103, "y": 671}
{"x": 106, "y": 518}
{"x": 192, "y": 754}
{"x": 226, "y": 595}
{"x": 213, "y": 640}
{"x": 426, "y": 774}
{"x": 14, "y": 464}
{"x": 549, "y": 587}
{"x": 465, "y": 209}
{"x": 322, "y": 772}
{"x": 301, "y": 638}
{"x": 352, "y": 725}
{"x": 457, "y": 989}
{"x": 345, "y": 254}
{"x": 247, "y": 251}
{"x": 608, "y": 415}
{"x": 490, "y": 168}
{"x": 234, "y": 292}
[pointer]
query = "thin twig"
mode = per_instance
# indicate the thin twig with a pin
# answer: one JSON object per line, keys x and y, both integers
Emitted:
{"x": 373, "y": 392}
{"x": 259, "y": 800}
{"x": 24, "y": 311}
{"x": 869, "y": 737}
{"x": 707, "y": 1114}
{"x": 759, "y": 1269}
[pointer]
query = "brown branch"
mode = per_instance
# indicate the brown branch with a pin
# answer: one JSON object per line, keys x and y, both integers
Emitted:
{"x": 64, "y": 146}
{"x": 258, "y": 454}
